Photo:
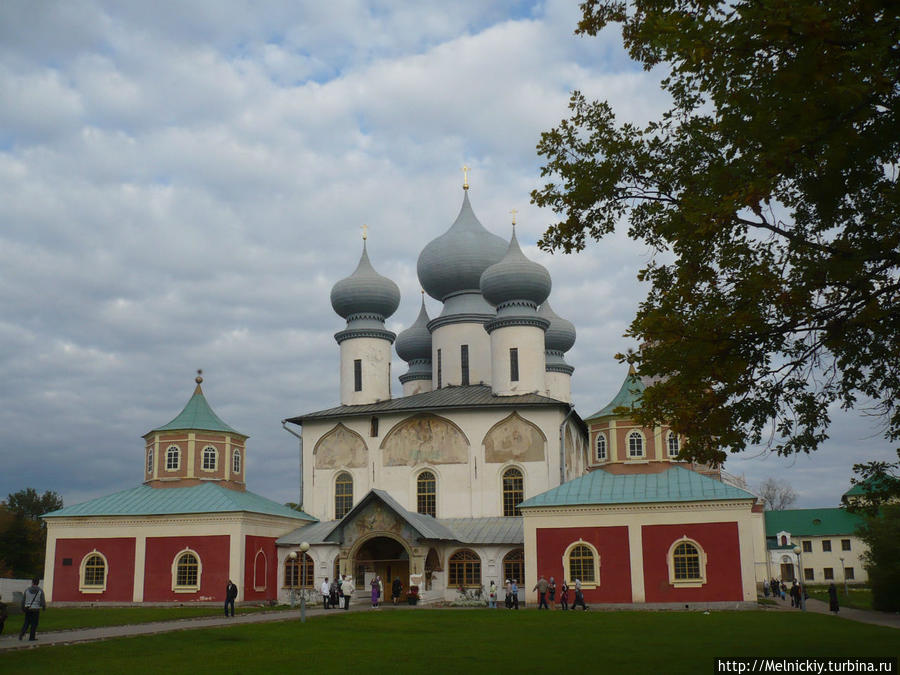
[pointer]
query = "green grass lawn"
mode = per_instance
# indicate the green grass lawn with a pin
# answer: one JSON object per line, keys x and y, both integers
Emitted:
{"x": 64, "y": 618}
{"x": 472, "y": 641}
{"x": 859, "y": 598}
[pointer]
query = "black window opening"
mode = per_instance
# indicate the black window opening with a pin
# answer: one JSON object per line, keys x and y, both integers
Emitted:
{"x": 439, "y": 369}
{"x": 373, "y": 430}
{"x": 464, "y": 361}
{"x": 513, "y": 364}
{"x": 357, "y": 375}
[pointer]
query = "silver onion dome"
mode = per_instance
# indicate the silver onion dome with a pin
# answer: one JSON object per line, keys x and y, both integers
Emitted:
{"x": 515, "y": 277}
{"x": 560, "y": 336}
{"x": 454, "y": 261}
{"x": 365, "y": 292}
{"x": 415, "y": 342}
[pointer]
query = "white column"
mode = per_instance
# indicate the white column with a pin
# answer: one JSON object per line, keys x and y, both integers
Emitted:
{"x": 140, "y": 562}
{"x": 636, "y": 559}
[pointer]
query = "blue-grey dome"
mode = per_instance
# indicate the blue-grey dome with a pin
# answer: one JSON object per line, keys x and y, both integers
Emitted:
{"x": 415, "y": 341}
{"x": 454, "y": 261}
{"x": 365, "y": 292}
{"x": 560, "y": 336}
{"x": 515, "y": 277}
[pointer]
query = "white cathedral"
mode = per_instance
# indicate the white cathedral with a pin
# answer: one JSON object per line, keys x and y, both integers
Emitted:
{"x": 426, "y": 487}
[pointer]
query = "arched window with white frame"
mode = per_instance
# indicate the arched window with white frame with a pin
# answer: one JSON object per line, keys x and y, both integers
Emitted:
{"x": 581, "y": 560}
{"x": 93, "y": 573}
{"x": 635, "y": 445}
{"x": 343, "y": 494}
{"x": 687, "y": 563}
{"x": 601, "y": 447}
{"x": 150, "y": 460}
{"x": 426, "y": 493}
{"x": 513, "y": 491}
{"x": 186, "y": 572}
{"x": 173, "y": 458}
{"x": 673, "y": 445}
{"x": 210, "y": 457}
{"x": 236, "y": 462}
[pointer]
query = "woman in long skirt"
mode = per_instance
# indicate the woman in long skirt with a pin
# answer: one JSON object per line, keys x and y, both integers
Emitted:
{"x": 833, "y": 599}
{"x": 375, "y": 589}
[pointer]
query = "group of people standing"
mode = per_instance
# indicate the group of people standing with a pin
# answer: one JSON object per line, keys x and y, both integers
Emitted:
{"x": 337, "y": 593}
{"x": 547, "y": 591}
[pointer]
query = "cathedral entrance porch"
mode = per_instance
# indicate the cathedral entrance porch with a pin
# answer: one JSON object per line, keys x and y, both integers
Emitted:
{"x": 385, "y": 557}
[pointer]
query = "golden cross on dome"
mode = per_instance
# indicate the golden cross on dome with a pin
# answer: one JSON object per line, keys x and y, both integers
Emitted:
{"x": 365, "y": 229}
{"x": 465, "y": 170}
{"x": 514, "y": 212}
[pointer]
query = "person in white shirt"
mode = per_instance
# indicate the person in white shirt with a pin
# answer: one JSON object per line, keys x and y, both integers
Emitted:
{"x": 326, "y": 591}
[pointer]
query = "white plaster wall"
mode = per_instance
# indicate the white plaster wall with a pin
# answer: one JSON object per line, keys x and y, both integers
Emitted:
{"x": 323, "y": 566}
{"x": 416, "y": 387}
{"x": 559, "y": 386}
{"x": 529, "y": 340}
{"x": 635, "y": 517}
{"x": 473, "y": 489}
{"x": 375, "y": 355}
{"x": 818, "y": 559}
{"x": 449, "y": 339}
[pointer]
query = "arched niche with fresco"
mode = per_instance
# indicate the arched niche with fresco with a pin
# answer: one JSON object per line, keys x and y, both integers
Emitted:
{"x": 425, "y": 439}
{"x": 340, "y": 448}
{"x": 514, "y": 439}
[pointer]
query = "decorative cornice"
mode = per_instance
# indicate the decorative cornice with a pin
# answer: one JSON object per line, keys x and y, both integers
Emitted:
{"x": 559, "y": 368}
{"x": 600, "y": 509}
{"x": 506, "y": 321}
{"x": 526, "y": 304}
{"x": 376, "y": 333}
{"x": 412, "y": 376}
{"x": 365, "y": 316}
{"x": 440, "y": 321}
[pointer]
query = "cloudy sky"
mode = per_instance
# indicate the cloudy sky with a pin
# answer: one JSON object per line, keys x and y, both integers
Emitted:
{"x": 181, "y": 183}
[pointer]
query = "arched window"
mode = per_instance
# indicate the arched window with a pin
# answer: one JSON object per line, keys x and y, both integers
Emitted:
{"x": 236, "y": 462}
{"x": 601, "y": 447}
{"x": 514, "y": 565}
{"x": 513, "y": 491}
{"x": 298, "y": 572}
{"x": 209, "y": 458}
{"x": 173, "y": 458}
{"x": 581, "y": 564}
{"x": 635, "y": 444}
{"x": 343, "y": 494}
{"x": 464, "y": 569}
{"x": 186, "y": 572}
{"x": 150, "y": 460}
{"x": 426, "y": 494}
{"x": 687, "y": 563}
{"x": 93, "y": 573}
{"x": 260, "y": 571}
{"x": 674, "y": 445}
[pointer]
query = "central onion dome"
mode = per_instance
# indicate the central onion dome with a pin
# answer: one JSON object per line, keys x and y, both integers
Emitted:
{"x": 365, "y": 292}
{"x": 454, "y": 262}
{"x": 515, "y": 278}
{"x": 560, "y": 335}
{"x": 415, "y": 342}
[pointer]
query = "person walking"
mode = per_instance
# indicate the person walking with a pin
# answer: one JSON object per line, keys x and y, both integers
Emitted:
{"x": 832, "y": 599}
{"x": 374, "y": 586}
{"x": 32, "y": 603}
{"x": 579, "y": 597}
{"x": 564, "y": 595}
{"x": 347, "y": 591}
{"x": 325, "y": 590}
{"x": 396, "y": 590}
{"x": 795, "y": 595}
{"x": 541, "y": 587}
{"x": 515, "y": 593}
{"x": 231, "y": 592}
{"x": 492, "y": 595}
{"x": 551, "y": 591}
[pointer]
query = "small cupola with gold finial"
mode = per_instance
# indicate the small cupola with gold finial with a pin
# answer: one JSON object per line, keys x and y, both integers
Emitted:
{"x": 194, "y": 448}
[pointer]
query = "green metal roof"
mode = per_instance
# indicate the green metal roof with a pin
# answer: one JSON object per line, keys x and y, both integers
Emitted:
{"x": 197, "y": 415}
{"x": 865, "y": 487}
{"x": 811, "y": 522}
{"x": 676, "y": 484}
{"x": 207, "y": 498}
{"x": 629, "y": 396}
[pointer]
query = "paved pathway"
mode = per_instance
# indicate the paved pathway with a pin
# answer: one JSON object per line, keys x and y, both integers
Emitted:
{"x": 861, "y": 615}
{"x": 10, "y": 637}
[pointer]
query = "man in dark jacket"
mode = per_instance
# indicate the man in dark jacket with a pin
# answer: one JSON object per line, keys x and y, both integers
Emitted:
{"x": 231, "y": 591}
{"x": 32, "y": 603}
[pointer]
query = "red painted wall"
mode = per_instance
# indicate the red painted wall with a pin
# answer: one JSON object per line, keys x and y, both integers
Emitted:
{"x": 723, "y": 562}
{"x": 213, "y": 552}
{"x": 252, "y": 545}
{"x": 612, "y": 545}
{"x": 119, "y": 555}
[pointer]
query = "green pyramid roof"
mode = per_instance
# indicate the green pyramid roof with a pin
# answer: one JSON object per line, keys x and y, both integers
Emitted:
{"x": 676, "y": 484}
{"x": 197, "y": 415}
{"x": 206, "y": 498}
{"x": 629, "y": 396}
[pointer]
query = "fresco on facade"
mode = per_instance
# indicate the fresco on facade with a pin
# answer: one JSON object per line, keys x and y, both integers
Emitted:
{"x": 425, "y": 439}
{"x": 340, "y": 448}
{"x": 514, "y": 439}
